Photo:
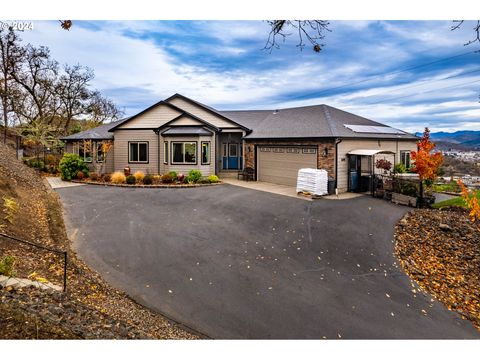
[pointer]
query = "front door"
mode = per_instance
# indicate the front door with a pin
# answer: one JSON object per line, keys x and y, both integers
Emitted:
{"x": 231, "y": 156}
{"x": 354, "y": 164}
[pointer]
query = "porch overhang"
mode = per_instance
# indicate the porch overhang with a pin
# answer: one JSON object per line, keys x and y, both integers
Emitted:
{"x": 368, "y": 152}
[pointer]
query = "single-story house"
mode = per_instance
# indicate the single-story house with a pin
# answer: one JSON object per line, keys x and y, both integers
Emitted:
{"x": 181, "y": 134}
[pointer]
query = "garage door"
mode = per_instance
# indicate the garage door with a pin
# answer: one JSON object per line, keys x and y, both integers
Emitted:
{"x": 280, "y": 165}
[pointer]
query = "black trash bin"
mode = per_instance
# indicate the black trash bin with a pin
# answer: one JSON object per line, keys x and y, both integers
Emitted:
{"x": 331, "y": 186}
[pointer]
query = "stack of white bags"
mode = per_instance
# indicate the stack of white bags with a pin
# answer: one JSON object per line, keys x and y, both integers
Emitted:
{"x": 313, "y": 181}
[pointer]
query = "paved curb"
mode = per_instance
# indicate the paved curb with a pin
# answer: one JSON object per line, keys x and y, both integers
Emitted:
{"x": 18, "y": 283}
{"x": 182, "y": 186}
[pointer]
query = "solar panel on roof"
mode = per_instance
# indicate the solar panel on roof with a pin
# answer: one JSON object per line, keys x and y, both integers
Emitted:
{"x": 374, "y": 129}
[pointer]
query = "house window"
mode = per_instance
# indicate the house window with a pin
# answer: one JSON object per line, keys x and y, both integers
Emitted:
{"x": 165, "y": 152}
{"x": 85, "y": 150}
{"x": 205, "y": 152}
{"x": 100, "y": 157}
{"x": 138, "y": 152}
{"x": 309, "y": 151}
{"x": 184, "y": 152}
{"x": 76, "y": 147}
{"x": 405, "y": 158}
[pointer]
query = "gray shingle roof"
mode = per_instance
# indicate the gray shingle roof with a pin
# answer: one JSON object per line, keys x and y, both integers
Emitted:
{"x": 306, "y": 122}
{"x": 98, "y": 133}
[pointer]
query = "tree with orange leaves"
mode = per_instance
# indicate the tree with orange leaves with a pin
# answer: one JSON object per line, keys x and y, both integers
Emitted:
{"x": 426, "y": 162}
{"x": 471, "y": 200}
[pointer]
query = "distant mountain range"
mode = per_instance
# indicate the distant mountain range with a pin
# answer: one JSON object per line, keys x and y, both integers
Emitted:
{"x": 458, "y": 140}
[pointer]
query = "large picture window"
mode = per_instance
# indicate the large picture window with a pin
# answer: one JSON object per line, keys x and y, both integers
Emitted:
{"x": 184, "y": 152}
{"x": 205, "y": 152}
{"x": 138, "y": 152}
{"x": 405, "y": 158}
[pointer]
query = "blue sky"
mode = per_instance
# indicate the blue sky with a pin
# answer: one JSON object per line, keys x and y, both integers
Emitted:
{"x": 222, "y": 64}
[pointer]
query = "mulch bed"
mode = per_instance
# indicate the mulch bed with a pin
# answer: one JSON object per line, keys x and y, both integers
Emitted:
{"x": 440, "y": 250}
{"x": 91, "y": 308}
{"x": 169, "y": 186}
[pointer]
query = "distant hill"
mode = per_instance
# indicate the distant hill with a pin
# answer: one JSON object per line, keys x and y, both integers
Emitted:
{"x": 459, "y": 140}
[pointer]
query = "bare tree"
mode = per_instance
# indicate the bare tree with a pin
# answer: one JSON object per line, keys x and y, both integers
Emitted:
{"x": 308, "y": 31}
{"x": 102, "y": 109}
{"x": 457, "y": 24}
{"x": 73, "y": 93}
{"x": 11, "y": 54}
{"x": 37, "y": 77}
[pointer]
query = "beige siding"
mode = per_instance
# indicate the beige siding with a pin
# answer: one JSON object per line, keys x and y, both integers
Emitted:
{"x": 209, "y": 117}
{"x": 205, "y": 169}
{"x": 122, "y": 137}
{"x": 153, "y": 118}
{"x": 185, "y": 120}
{"x": 348, "y": 145}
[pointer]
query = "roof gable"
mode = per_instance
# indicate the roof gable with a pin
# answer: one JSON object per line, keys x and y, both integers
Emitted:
{"x": 204, "y": 112}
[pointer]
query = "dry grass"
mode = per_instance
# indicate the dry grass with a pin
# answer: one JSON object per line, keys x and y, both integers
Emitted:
{"x": 139, "y": 175}
{"x": 118, "y": 178}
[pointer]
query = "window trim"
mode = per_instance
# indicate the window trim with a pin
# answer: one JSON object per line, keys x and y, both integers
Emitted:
{"x": 165, "y": 152}
{"x": 209, "y": 152}
{"x": 148, "y": 151}
{"x": 402, "y": 152}
{"x": 183, "y": 145}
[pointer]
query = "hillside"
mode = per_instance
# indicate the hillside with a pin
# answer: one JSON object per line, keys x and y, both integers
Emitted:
{"x": 91, "y": 308}
{"x": 459, "y": 140}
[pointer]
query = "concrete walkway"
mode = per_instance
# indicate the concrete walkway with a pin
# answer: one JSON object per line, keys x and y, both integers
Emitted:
{"x": 267, "y": 187}
{"x": 57, "y": 183}
{"x": 284, "y": 190}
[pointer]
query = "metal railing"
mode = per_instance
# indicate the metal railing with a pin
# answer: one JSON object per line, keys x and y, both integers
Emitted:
{"x": 61, "y": 252}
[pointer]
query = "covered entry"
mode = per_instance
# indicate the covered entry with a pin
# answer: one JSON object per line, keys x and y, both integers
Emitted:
{"x": 361, "y": 168}
{"x": 280, "y": 164}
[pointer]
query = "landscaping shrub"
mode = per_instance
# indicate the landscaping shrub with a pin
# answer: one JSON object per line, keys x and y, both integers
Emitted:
{"x": 35, "y": 163}
{"x": 181, "y": 177}
{"x": 70, "y": 165}
{"x": 157, "y": 179}
{"x": 148, "y": 180}
{"x": 94, "y": 177}
{"x": 131, "y": 180}
{"x": 7, "y": 264}
{"x": 167, "y": 179}
{"x": 80, "y": 175}
{"x": 399, "y": 168}
{"x": 173, "y": 175}
{"x": 194, "y": 176}
{"x": 213, "y": 179}
{"x": 139, "y": 176}
{"x": 118, "y": 177}
{"x": 203, "y": 181}
{"x": 107, "y": 177}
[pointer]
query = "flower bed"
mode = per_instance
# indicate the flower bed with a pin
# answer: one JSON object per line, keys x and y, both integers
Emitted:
{"x": 172, "y": 186}
{"x": 194, "y": 178}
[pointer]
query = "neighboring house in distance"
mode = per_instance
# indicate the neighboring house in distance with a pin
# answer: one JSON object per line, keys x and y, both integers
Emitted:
{"x": 181, "y": 134}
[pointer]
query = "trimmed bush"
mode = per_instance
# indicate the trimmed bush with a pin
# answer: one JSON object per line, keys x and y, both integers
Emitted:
{"x": 148, "y": 180}
{"x": 70, "y": 165}
{"x": 131, "y": 180}
{"x": 193, "y": 176}
{"x": 203, "y": 181}
{"x": 167, "y": 179}
{"x": 173, "y": 175}
{"x": 107, "y": 177}
{"x": 399, "y": 168}
{"x": 139, "y": 176}
{"x": 118, "y": 178}
{"x": 213, "y": 179}
{"x": 181, "y": 177}
{"x": 94, "y": 177}
{"x": 80, "y": 175}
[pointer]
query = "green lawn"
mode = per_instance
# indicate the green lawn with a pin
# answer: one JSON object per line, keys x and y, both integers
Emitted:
{"x": 458, "y": 201}
{"x": 448, "y": 187}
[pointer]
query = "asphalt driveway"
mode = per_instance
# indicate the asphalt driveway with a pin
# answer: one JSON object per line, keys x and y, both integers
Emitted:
{"x": 231, "y": 262}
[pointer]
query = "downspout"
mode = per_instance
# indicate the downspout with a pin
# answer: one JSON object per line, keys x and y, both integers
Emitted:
{"x": 158, "y": 151}
{"x": 337, "y": 141}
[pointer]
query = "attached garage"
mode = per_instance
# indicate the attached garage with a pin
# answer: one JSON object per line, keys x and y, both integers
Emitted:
{"x": 280, "y": 164}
